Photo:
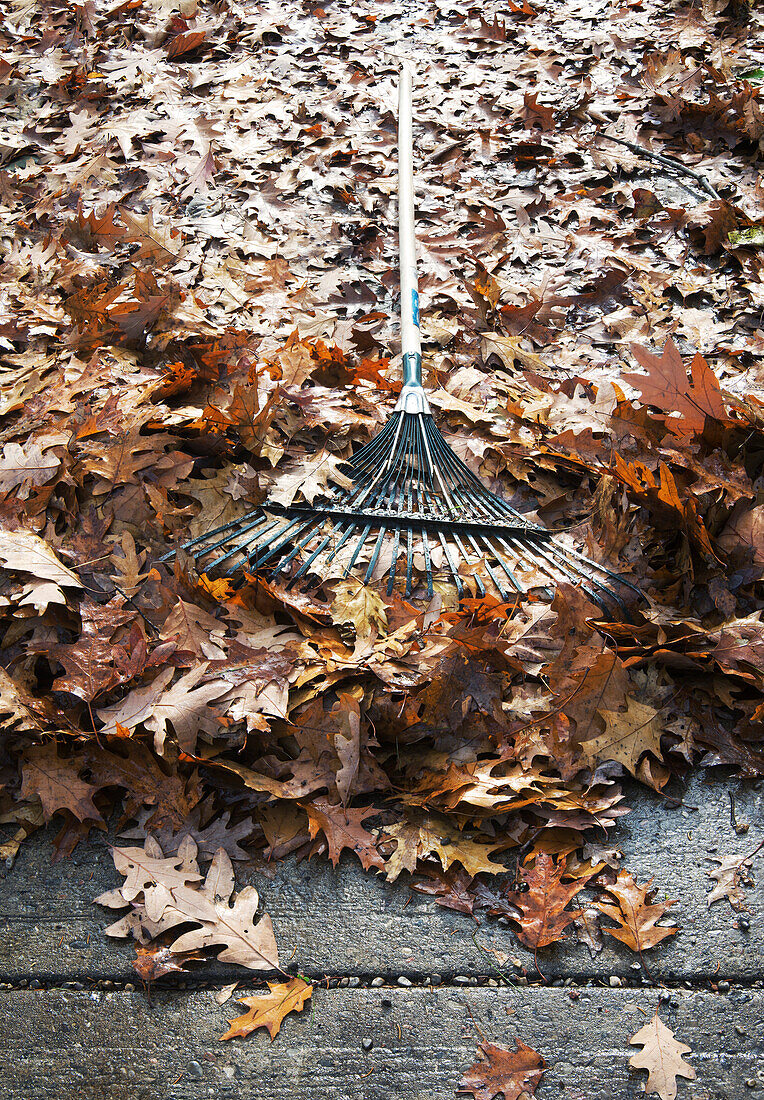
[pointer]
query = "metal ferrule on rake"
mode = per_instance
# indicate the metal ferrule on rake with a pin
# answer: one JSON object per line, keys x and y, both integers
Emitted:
{"x": 414, "y": 509}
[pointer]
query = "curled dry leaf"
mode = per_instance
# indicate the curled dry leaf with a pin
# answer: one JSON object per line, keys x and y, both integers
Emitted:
{"x": 164, "y": 893}
{"x": 269, "y": 1009}
{"x": 155, "y": 961}
{"x": 661, "y": 1056}
{"x": 544, "y": 916}
{"x": 635, "y": 916}
{"x": 500, "y": 1072}
{"x": 23, "y": 552}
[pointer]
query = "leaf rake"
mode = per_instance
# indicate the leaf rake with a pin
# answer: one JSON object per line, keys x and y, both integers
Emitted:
{"x": 411, "y": 510}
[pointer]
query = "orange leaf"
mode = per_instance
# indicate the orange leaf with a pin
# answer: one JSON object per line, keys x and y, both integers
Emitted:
{"x": 268, "y": 1010}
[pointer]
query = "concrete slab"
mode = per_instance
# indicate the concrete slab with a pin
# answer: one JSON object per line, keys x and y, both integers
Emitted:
{"x": 342, "y": 921}
{"x": 62, "y": 1045}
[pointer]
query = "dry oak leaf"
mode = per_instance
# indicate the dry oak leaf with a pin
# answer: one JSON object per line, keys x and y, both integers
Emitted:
{"x": 56, "y": 782}
{"x": 194, "y": 630}
{"x": 359, "y": 605}
{"x": 437, "y": 836}
{"x": 23, "y": 552}
{"x": 29, "y": 465}
{"x": 247, "y": 941}
{"x": 727, "y": 878}
{"x": 544, "y": 917}
{"x": 89, "y": 662}
{"x": 661, "y": 1056}
{"x": 509, "y": 1073}
{"x": 169, "y": 896}
{"x": 628, "y": 735}
{"x": 635, "y": 915}
{"x": 268, "y": 1010}
{"x": 184, "y": 706}
{"x": 158, "y": 243}
{"x": 343, "y": 828}
{"x": 154, "y": 961}
{"x": 309, "y": 477}
{"x": 156, "y": 877}
{"x": 667, "y": 387}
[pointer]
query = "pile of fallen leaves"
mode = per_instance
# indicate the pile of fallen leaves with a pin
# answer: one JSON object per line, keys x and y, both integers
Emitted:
{"x": 198, "y": 284}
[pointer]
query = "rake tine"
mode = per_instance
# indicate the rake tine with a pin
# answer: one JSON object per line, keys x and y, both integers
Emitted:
{"x": 230, "y": 526}
{"x": 375, "y": 555}
{"x": 259, "y": 559}
{"x": 409, "y": 558}
{"x": 500, "y": 559}
{"x": 394, "y": 564}
{"x": 499, "y": 586}
{"x": 357, "y": 551}
{"x": 587, "y": 583}
{"x": 468, "y": 561}
{"x": 239, "y": 548}
{"x": 336, "y": 549}
{"x": 451, "y": 566}
{"x": 554, "y": 569}
{"x": 427, "y": 562}
{"x": 570, "y": 553}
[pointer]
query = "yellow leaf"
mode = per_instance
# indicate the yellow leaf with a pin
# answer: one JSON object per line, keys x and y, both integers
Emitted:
{"x": 268, "y": 1010}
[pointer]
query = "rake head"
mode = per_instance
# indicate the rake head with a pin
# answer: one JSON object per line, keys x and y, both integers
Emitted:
{"x": 414, "y": 513}
{"x": 410, "y": 510}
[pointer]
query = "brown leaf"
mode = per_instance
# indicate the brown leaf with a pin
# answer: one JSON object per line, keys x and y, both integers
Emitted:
{"x": 154, "y": 961}
{"x": 437, "y": 836}
{"x": 247, "y": 941}
{"x": 635, "y": 916}
{"x": 500, "y": 1072}
{"x": 194, "y": 630}
{"x": 343, "y": 828}
{"x": 183, "y": 705}
{"x": 23, "y": 552}
{"x": 544, "y": 916}
{"x": 90, "y": 661}
{"x": 55, "y": 781}
{"x": 628, "y": 734}
{"x": 269, "y": 1009}
{"x": 668, "y": 388}
{"x": 661, "y": 1056}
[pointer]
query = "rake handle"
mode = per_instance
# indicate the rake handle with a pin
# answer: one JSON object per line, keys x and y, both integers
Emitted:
{"x": 411, "y": 340}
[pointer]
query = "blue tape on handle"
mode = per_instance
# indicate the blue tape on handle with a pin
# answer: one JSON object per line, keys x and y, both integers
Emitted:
{"x": 415, "y": 307}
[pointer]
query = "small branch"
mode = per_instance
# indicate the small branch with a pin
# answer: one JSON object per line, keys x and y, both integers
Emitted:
{"x": 667, "y": 162}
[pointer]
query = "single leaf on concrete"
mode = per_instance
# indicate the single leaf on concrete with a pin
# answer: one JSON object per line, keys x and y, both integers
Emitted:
{"x": 727, "y": 879}
{"x": 544, "y": 916}
{"x": 155, "y": 961}
{"x": 635, "y": 915}
{"x": 509, "y": 1073}
{"x": 661, "y": 1056}
{"x": 269, "y": 1009}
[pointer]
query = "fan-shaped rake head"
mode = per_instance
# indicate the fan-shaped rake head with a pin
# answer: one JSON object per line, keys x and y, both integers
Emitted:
{"x": 414, "y": 513}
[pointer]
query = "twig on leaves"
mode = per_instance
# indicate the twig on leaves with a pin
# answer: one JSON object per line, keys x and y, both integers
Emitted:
{"x": 666, "y": 161}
